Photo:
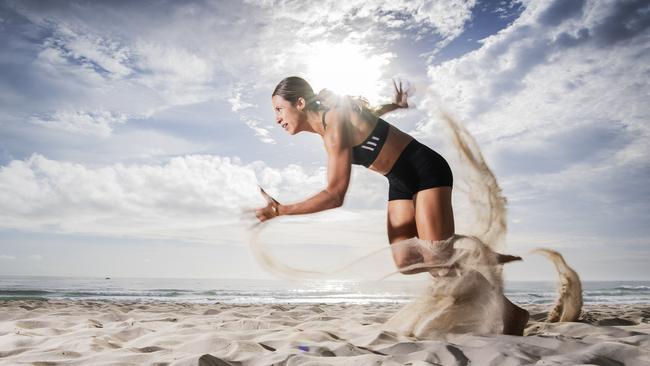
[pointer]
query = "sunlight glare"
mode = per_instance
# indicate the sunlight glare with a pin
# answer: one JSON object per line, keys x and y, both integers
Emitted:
{"x": 347, "y": 69}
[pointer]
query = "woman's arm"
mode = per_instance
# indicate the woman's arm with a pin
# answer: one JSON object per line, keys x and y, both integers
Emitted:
{"x": 385, "y": 108}
{"x": 339, "y": 166}
{"x": 401, "y": 100}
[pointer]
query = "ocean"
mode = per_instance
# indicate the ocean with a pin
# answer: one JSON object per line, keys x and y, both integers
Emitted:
{"x": 241, "y": 291}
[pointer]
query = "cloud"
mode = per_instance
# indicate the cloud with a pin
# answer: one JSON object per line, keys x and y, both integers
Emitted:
{"x": 179, "y": 75}
{"x": 91, "y": 63}
{"x": 98, "y": 123}
{"x": 261, "y": 132}
{"x": 138, "y": 60}
{"x": 556, "y": 101}
{"x": 107, "y": 57}
{"x": 7, "y": 257}
{"x": 237, "y": 103}
{"x": 446, "y": 17}
{"x": 528, "y": 81}
{"x": 81, "y": 48}
{"x": 559, "y": 11}
{"x": 195, "y": 197}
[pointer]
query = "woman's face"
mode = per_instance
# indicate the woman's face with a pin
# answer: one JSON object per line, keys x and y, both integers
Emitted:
{"x": 288, "y": 116}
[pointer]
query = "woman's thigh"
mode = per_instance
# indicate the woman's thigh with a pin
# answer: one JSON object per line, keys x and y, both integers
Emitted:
{"x": 434, "y": 216}
{"x": 401, "y": 220}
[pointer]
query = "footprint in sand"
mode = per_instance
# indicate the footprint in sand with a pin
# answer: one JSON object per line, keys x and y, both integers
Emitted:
{"x": 615, "y": 321}
{"x": 100, "y": 344}
{"x": 32, "y": 324}
{"x": 172, "y": 320}
{"x": 70, "y": 354}
{"x": 92, "y": 323}
{"x": 148, "y": 349}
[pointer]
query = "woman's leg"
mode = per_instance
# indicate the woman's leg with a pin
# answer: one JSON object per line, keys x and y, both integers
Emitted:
{"x": 514, "y": 318}
{"x": 435, "y": 221}
{"x": 434, "y": 216}
{"x": 401, "y": 226}
{"x": 401, "y": 220}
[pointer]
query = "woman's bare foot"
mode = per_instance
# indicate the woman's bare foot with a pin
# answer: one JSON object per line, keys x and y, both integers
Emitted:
{"x": 514, "y": 318}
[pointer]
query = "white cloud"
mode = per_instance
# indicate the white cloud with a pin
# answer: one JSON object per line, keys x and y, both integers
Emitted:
{"x": 189, "y": 55}
{"x": 96, "y": 51}
{"x": 95, "y": 66}
{"x": 539, "y": 80}
{"x": 7, "y": 257}
{"x": 261, "y": 132}
{"x": 97, "y": 54}
{"x": 97, "y": 123}
{"x": 533, "y": 74}
{"x": 174, "y": 62}
{"x": 365, "y": 23}
{"x": 236, "y": 102}
{"x": 196, "y": 197}
{"x": 180, "y": 76}
{"x": 239, "y": 105}
{"x": 557, "y": 103}
{"x": 35, "y": 257}
{"x": 446, "y": 17}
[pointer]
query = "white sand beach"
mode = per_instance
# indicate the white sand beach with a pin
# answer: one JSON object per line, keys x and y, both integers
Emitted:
{"x": 163, "y": 333}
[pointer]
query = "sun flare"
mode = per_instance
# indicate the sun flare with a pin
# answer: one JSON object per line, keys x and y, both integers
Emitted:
{"x": 347, "y": 69}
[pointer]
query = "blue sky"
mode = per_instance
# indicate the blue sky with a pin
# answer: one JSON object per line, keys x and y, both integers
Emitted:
{"x": 133, "y": 134}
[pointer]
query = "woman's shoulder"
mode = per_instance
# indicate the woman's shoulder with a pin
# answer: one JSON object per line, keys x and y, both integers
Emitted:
{"x": 339, "y": 126}
{"x": 335, "y": 118}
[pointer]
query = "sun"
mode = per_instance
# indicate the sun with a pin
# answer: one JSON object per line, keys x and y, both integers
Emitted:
{"x": 347, "y": 69}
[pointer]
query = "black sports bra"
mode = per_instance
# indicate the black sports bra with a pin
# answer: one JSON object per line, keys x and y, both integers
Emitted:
{"x": 366, "y": 152}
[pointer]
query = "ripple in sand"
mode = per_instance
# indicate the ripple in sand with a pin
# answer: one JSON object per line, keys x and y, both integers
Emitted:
{"x": 148, "y": 349}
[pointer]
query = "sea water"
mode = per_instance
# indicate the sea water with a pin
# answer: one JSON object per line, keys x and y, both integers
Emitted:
{"x": 247, "y": 291}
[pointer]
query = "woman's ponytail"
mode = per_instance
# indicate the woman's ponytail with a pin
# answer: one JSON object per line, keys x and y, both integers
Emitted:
{"x": 327, "y": 98}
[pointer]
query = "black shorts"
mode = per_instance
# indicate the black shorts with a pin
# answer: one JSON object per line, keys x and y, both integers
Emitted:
{"x": 417, "y": 168}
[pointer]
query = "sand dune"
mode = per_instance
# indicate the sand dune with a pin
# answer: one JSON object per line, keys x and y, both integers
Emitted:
{"x": 105, "y": 333}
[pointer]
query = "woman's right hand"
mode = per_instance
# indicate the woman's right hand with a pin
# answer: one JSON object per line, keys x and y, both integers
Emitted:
{"x": 271, "y": 210}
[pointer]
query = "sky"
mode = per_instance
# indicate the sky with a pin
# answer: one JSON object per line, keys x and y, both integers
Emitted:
{"x": 133, "y": 135}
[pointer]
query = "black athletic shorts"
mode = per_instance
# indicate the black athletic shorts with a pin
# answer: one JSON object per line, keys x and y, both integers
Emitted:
{"x": 417, "y": 168}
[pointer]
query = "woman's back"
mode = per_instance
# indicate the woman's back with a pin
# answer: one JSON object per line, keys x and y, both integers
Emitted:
{"x": 376, "y": 144}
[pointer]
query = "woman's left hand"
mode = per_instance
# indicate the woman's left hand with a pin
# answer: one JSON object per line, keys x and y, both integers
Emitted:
{"x": 401, "y": 95}
{"x": 271, "y": 210}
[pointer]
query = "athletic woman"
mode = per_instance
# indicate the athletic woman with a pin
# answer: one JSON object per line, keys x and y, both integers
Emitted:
{"x": 420, "y": 180}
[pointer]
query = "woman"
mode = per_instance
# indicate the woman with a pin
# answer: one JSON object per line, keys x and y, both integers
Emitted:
{"x": 420, "y": 180}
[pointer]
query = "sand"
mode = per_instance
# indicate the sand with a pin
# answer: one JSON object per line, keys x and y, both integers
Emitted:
{"x": 36, "y": 332}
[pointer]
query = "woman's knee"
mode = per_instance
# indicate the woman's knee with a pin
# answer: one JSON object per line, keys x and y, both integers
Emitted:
{"x": 405, "y": 255}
